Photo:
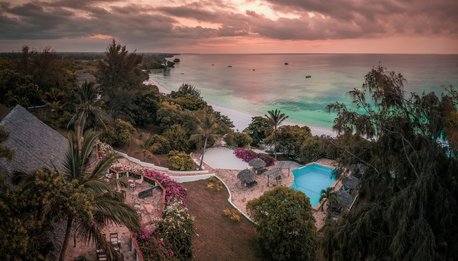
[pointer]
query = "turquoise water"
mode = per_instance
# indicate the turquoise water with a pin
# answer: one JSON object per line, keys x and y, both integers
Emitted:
{"x": 311, "y": 180}
{"x": 273, "y": 85}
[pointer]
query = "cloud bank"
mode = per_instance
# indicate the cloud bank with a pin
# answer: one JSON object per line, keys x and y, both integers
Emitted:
{"x": 206, "y": 25}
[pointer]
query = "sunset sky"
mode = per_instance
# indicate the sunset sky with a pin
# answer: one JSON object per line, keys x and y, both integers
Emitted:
{"x": 233, "y": 26}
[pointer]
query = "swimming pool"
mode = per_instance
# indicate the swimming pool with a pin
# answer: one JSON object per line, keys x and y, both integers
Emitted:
{"x": 311, "y": 180}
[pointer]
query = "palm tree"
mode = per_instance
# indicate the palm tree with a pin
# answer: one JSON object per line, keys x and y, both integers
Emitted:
{"x": 103, "y": 204}
{"x": 275, "y": 118}
{"x": 88, "y": 107}
{"x": 329, "y": 195}
{"x": 207, "y": 127}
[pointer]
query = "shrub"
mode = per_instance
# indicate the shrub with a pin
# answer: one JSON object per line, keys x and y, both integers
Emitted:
{"x": 238, "y": 139}
{"x": 173, "y": 189}
{"x": 177, "y": 137}
{"x": 180, "y": 161}
{"x": 119, "y": 133}
{"x": 232, "y": 214}
{"x": 214, "y": 184}
{"x": 248, "y": 155}
{"x": 285, "y": 223}
{"x": 269, "y": 160}
{"x": 245, "y": 155}
{"x": 177, "y": 228}
{"x": 160, "y": 144}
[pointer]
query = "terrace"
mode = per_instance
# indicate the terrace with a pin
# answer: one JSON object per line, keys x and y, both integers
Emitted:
{"x": 146, "y": 196}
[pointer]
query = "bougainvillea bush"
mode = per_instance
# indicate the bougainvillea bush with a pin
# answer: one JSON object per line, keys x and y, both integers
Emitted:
{"x": 173, "y": 189}
{"x": 177, "y": 228}
{"x": 248, "y": 155}
{"x": 153, "y": 246}
{"x": 173, "y": 237}
{"x": 245, "y": 155}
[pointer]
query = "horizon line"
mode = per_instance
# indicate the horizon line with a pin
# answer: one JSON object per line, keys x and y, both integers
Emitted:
{"x": 273, "y": 53}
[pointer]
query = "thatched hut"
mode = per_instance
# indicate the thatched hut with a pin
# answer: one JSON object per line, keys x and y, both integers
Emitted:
{"x": 247, "y": 178}
{"x": 343, "y": 200}
{"x": 258, "y": 165}
{"x": 34, "y": 144}
{"x": 350, "y": 183}
{"x": 274, "y": 175}
{"x": 287, "y": 164}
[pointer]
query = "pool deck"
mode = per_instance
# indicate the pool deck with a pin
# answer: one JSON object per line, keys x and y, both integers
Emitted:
{"x": 241, "y": 195}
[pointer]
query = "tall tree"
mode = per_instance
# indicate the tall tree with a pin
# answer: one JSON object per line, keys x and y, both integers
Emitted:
{"x": 101, "y": 204}
{"x": 207, "y": 127}
{"x": 286, "y": 225}
{"x": 88, "y": 110}
{"x": 275, "y": 119}
{"x": 120, "y": 76}
{"x": 407, "y": 205}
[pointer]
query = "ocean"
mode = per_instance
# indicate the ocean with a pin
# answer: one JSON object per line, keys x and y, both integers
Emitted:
{"x": 256, "y": 83}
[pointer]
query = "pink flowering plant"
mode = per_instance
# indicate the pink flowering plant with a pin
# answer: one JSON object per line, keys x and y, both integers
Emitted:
{"x": 248, "y": 155}
{"x": 173, "y": 189}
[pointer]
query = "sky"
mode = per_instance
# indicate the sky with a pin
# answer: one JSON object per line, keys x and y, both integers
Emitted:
{"x": 232, "y": 26}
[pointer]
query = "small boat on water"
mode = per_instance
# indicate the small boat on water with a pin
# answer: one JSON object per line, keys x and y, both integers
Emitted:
{"x": 308, "y": 76}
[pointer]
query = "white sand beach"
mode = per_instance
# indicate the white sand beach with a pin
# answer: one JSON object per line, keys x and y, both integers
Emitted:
{"x": 242, "y": 119}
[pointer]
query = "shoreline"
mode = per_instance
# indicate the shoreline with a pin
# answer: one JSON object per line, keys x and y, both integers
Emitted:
{"x": 242, "y": 119}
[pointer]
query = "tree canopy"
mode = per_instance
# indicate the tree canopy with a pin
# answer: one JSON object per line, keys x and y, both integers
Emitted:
{"x": 407, "y": 206}
{"x": 286, "y": 225}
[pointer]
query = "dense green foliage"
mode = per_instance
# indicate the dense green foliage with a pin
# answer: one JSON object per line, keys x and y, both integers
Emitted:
{"x": 180, "y": 161}
{"x": 178, "y": 138}
{"x": 4, "y": 151}
{"x": 207, "y": 129}
{"x": 28, "y": 215}
{"x": 259, "y": 129}
{"x": 407, "y": 206}
{"x": 35, "y": 78}
{"x": 286, "y": 225}
{"x": 118, "y": 133}
{"x": 290, "y": 139}
{"x": 88, "y": 107}
{"x": 177, "y": 228}
{"x": 238, "y": 139}
{"x": 274, "y": 119}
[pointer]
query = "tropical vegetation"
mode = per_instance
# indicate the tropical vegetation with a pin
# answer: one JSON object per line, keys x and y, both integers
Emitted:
{"x": 407, "y": 207}
{"x": 285, "y": 223}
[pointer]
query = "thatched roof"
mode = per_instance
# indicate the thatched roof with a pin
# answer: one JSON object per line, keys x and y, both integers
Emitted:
{"x": 344, "y": 199}
{"x": 35, "y": 145}
{"x": 247, "y": 176}
{"x": 358, "y": 169}
{"x": 257, "y": 163}
{"x": 273, "y": 173}
{"x": 287, "y": 164}
{"x": 350, "y": 182}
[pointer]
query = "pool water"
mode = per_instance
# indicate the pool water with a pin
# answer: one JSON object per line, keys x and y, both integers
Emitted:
{"x": 311, "y": 180}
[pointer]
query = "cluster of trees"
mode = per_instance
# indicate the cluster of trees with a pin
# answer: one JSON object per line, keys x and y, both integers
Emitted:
{"x": 73, "y": 198}
{"x": 116, "y": 104}
{"x": 407, "y": 204}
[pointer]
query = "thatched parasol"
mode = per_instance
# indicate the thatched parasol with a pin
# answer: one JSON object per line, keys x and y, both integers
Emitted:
{"x": 350, "y": 182}
{"x": 247, "y": 177}
{"x": 273, "y": 174}
{"x": 287, "y": 164}
{"x": 344, "y": 199}
{"x": 257, "y": 163}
